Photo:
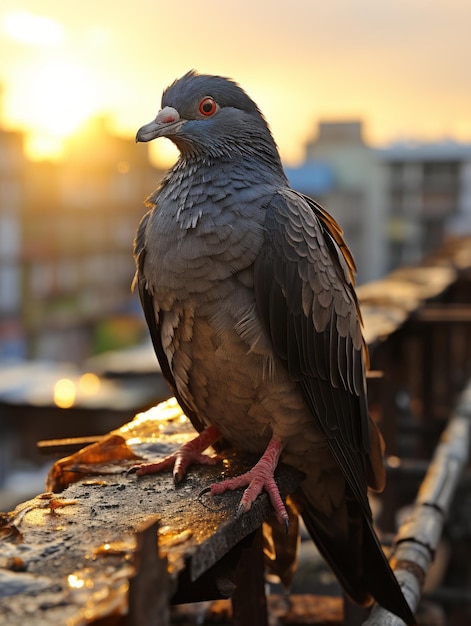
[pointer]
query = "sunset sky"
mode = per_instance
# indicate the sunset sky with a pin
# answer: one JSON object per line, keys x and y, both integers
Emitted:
{"x": 403, "y": 66}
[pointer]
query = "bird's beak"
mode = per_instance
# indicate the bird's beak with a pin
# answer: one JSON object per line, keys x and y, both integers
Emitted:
{"x": 165, "y": 124}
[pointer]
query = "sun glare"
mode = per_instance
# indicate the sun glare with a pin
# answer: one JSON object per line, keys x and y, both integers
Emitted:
{"x": 39, "y": 146}
{"x": 62, "y": 95}
{"x": 32, "y": 29}
{"x": 55, "y": 92}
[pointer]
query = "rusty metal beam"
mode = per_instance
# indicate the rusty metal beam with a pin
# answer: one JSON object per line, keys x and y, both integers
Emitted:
{"x": 437, "y": 313}
{"x": 419, "y": 536}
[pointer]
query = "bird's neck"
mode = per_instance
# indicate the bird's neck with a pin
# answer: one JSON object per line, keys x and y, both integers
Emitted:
{"x": 262, "y": 165}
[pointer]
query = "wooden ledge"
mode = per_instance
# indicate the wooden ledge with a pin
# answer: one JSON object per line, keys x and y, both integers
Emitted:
{"x": 73, "y": 557}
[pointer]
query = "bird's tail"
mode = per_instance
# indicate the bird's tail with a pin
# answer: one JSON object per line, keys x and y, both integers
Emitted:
{"x": 355, "y": 556}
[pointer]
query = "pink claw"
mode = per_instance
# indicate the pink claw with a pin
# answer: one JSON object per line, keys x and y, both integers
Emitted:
{"x": 189, "y": 453}
{"x": 260, "y": 477}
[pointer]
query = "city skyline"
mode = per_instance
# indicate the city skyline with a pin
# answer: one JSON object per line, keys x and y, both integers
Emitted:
{"x": 401, "y": 68}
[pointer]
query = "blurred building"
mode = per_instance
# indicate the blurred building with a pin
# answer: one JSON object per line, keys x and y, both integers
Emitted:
{"x": 66, "y": 233}
{"x": 395, "y": 204}
{"x": 428, "y": 196}
{"x": 12, "y": 200}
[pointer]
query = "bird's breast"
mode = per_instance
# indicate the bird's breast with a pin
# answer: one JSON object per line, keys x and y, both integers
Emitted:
{"x": 196, "y": 241}
{"x": 234, "y": 384}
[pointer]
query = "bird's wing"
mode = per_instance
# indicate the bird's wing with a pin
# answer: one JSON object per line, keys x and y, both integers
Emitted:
{"x": 304, "y": 292}
{"x": 154, "y": 321}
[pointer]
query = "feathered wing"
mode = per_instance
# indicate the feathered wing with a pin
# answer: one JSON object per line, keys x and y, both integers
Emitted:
{"x": 305, "y": 296}
{"x": 304, "y": 291}
{"x": 154, "y": 322}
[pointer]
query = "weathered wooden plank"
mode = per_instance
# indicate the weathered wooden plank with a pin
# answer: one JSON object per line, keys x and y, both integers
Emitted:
{"x": 70, "y": 557}
{"x": 150, "y": 586}
{"x": 67, "y": 445}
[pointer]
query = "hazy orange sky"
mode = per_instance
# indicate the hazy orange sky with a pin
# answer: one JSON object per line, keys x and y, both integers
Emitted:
{"x": 404, "y": 66}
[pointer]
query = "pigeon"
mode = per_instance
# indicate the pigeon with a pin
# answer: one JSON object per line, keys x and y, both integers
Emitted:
{"x": 247, "y": 287}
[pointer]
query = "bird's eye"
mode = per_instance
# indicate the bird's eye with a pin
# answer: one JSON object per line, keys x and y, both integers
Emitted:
{"x": 208, "y": 106}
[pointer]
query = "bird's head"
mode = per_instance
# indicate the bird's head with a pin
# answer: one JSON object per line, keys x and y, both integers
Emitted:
{"x": 210, "y": 117}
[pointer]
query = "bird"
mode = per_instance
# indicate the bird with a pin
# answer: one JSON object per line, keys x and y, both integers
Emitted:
{"x": 248, "y": 290}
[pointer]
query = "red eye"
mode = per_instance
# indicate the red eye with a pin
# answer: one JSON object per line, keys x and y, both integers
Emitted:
{"x": 208, "y": 107}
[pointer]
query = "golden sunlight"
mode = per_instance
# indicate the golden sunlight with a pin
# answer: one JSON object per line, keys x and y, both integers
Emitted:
{"x": 26, "y": 27}
{"x": 89, "y": 384}
{"x": 56, "y": 92}
{"x": 62, "y": 96}
{"x": 163, "y": 154}
{"x": 64, "y": 393}
{"x": 40, "y": 146}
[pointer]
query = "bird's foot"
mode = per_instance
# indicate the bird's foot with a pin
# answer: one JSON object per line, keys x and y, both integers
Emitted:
{"x": 189, "y": 453}
{"x": 260, "y": 477}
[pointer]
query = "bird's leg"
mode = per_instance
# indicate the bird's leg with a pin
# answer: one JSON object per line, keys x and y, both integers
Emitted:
{"x": 259, "y": 477}
{"x": 187, "y": 454}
